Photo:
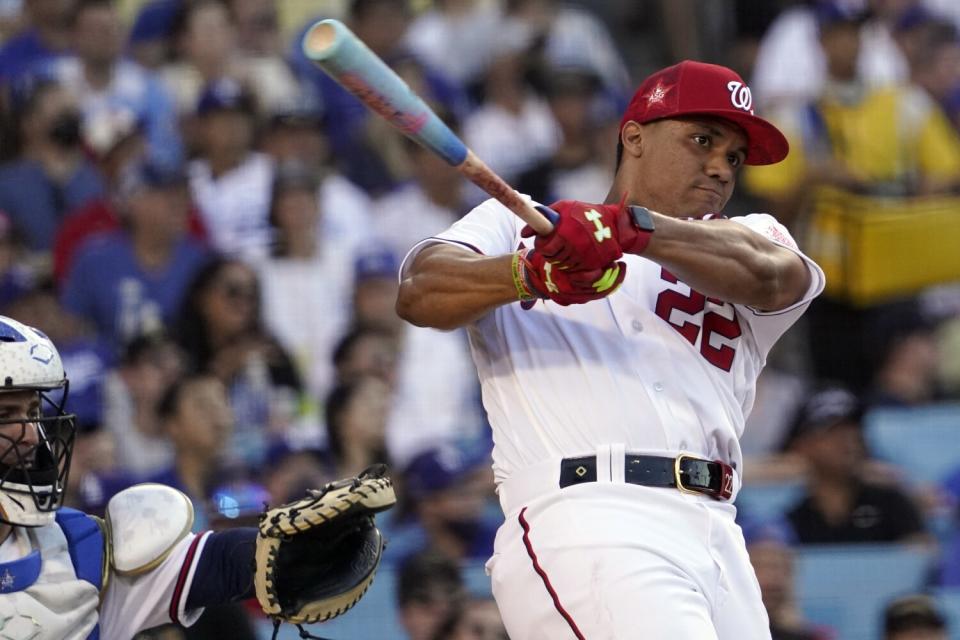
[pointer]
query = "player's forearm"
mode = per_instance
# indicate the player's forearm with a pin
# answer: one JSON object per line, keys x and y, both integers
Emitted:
{"x": 726, "y": 260}
{"x": 449, "y": 287}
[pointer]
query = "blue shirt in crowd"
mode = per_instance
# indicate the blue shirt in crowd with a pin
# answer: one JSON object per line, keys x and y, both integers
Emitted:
{"x": 109, "y": 287}
{"x": 36, "y": 204}
{"x": 23, "y": 54}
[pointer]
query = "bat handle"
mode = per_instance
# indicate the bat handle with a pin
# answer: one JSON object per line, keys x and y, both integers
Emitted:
{"x": 481, "y": 175}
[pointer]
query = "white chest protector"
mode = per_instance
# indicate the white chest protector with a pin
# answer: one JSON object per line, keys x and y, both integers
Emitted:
{"x": 58, "y": 605}
{"x": 43, "y": 598}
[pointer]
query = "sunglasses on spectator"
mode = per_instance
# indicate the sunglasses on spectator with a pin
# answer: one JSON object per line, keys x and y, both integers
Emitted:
{"x": 238, "y": 290}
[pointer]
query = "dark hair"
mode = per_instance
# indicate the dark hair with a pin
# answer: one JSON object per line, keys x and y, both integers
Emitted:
{"x": 360, "y": 8}
{"x": 85, "y": 5}
{"x": 347, "y": 343}
{"x": 170, "y": 400}
{"x": 289, "y": 177}
{"x": 912, "y": 613}
{"x": 22, "y": 97}
{"x": 422, "y": 573}
{"x": 336, "y": 405}
{"x": 141, "y": 344}
{"x": 616, "y": 167}
{"x": 191, "y": 330}
{"x": 182, "y": 21}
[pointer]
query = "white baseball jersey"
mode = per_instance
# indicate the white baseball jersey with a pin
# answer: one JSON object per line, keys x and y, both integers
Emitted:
{"x": 655, "y": 366}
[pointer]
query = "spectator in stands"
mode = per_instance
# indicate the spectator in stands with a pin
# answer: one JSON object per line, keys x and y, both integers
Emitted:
{"x": 466, "y": 26}
{"x": 103, "y": 82}
{"x": 429, "y": 590}
{"x": 436, "y": 391}
{"x": 840, "y": 505}
{"x": 48, "y": 174}
{"x": 770, "y": 545}
{"x": 115, "y": 139}
{"x": 424, "y": 206}
{"x": 307, "y": 277}
{"x": 790, "y": 63}
{"x": 46, "y": 38}
{"x": 834, "y": 150}
{"x": 132, "y": 281}
{"x": 116, "y": 142}
{"x": 363, "y": 145}
{"x": 477, "y": 619}
{"x": 449, "y": 489}
{"x": 220, "y": 328}
{"x": 150, "y": 42}
{"x": 296, "y": 136}
{"x": 513, "y": 129}
{"x": 356, "y": 415}
{"x": 206, "y": 40}
{"x": 366, "y": 351}
{"x": 833, "y": 141}
{"x": 257, "y": 27}
{"x": 375, "y": 291}
{"x": 131, "y": 397}
{"x": 568, "y": 36}
{"x": 230, "y": 181}
{"x": 906, "y": 366}
{"x": 195, "y": 415}
{"x": 581, "y": 166}
{"x": 914, "y": 617}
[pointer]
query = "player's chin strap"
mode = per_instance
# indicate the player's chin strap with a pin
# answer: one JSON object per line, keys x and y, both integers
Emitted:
{"x": 303, "y": 632}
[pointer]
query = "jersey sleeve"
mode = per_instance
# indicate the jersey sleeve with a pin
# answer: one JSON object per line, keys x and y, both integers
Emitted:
{"x": 490, "y": 229}
{"x": 156, "y": 597}
{"x": 768, "y": 326}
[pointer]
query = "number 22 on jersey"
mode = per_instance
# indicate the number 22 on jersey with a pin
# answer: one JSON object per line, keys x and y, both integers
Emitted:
{"x": 694, "y": 304}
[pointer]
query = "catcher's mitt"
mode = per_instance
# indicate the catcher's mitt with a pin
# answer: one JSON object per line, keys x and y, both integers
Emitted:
{"x": 316, "y": 557}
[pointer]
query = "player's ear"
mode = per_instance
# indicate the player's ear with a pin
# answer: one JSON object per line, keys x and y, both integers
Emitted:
{"x": 631, "y": 136}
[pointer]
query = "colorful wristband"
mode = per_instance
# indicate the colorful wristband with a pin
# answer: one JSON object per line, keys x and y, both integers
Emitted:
{"x": 523, "y": 293}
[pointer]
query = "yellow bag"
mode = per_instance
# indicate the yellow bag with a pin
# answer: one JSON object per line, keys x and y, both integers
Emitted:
{"x": 873, "y": 249}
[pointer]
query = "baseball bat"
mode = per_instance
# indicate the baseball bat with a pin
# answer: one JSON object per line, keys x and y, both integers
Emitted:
{"x": 334, "y": 48}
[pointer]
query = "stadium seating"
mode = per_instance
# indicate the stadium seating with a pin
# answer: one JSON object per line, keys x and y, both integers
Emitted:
{"x": 768, "y": 501}
{"x": 916, "y": 439}
{"x": 846, "y": 587}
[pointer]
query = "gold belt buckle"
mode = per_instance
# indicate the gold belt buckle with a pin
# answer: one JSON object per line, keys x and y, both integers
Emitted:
{"x": 676, "y": 474}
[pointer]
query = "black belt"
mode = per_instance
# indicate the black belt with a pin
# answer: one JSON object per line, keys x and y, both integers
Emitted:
{"x": 686, "y": 473}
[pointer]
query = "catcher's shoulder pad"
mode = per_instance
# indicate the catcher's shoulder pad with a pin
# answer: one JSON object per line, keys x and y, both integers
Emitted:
{"x": 145, "y": 522}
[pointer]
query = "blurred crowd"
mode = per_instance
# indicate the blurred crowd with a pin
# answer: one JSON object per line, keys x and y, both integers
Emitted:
{"x": 210, "y": 230}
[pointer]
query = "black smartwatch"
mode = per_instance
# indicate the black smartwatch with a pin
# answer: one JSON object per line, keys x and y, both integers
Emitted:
{"x": 641, "y": 217}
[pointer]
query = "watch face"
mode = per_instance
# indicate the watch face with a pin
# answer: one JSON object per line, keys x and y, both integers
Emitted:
{"x": 641, "y": 217}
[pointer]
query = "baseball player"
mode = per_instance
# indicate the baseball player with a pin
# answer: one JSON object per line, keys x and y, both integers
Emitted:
{"x": 618, "y": 357}
{"x": 67, "y": 575}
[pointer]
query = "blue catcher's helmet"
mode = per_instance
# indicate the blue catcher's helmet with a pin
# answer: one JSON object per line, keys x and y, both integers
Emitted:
{"x": 36, "y": 434}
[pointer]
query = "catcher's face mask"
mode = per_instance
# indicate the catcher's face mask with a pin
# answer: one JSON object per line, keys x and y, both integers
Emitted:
{"x": 36, "y": 434}
{"x": 36, "y": 443}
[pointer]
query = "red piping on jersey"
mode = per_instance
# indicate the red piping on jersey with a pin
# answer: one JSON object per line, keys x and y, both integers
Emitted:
{"x": 546, "y": 580}
{"x": 182, "y": 578}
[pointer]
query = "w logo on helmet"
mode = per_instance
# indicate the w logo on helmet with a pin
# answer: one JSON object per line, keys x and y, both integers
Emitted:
{"x": 740, "y": 96}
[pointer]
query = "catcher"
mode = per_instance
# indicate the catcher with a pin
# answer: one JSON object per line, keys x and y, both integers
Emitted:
{"x": 64, "y": 574}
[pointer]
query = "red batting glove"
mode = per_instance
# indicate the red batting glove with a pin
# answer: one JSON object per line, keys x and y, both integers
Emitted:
{"x": 589, "y": 236}
{"x": 571, "y": 286}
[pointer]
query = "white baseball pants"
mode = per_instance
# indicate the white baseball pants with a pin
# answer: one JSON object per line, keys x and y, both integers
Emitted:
{"x": 615, "y": 561}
